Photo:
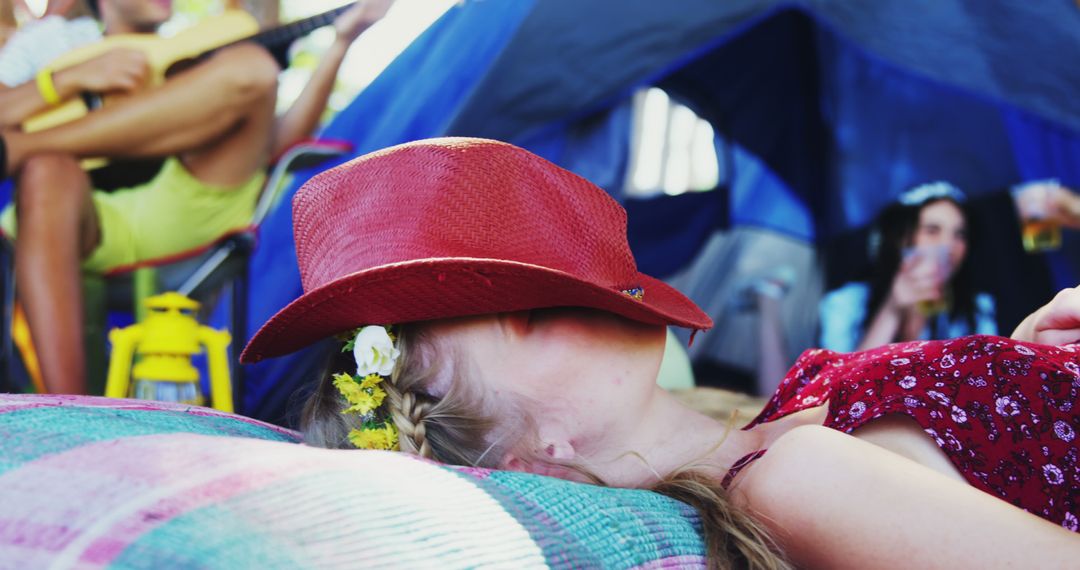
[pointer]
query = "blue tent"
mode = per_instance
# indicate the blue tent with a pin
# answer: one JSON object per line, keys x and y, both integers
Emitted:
{"x": 833, "y": 107}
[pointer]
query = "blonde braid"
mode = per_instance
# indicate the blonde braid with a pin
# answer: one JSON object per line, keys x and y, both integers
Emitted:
{"x": 325, "y": 425}
{"x": 408, "y": 412}
{"x": 459, "y": 426}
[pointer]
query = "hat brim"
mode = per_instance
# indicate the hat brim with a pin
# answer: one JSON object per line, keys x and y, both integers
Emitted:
{"x": 428, "y": 289}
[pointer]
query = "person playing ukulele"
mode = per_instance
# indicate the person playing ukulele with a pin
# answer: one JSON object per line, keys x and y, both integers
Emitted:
{"x": 214, "y": 121}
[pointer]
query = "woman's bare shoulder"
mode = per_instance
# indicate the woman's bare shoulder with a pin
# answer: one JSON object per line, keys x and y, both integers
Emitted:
{"x": 799, "y": 461}
{"x": 807, "y": 443}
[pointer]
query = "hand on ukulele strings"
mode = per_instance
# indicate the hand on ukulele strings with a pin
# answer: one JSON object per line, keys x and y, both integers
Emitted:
{"x": 360, "y": 17}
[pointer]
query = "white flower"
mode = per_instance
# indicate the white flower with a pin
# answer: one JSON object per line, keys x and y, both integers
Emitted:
{"x": 959, "y": 415}
{"x": 1024, "y": 350}
{"x": 907, "y": 383}
{"x": 858, "y": 409}
{"x": 1006, "y": 406}
{"x": 948, "y": 361}
{"x": 374, "y": 351}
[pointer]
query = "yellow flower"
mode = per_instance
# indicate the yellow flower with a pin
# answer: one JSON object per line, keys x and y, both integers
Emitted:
{"x": 385, "y": 438}
{"x": 363, "y": 400}
{"x": 363, "y": 404}
{"x": 366, "y": 401}
{"x": 342, "y": 377}
{"x": 370, "y": 381}
{"x": 347, "y": 385}
{"x": 377, "y": 395}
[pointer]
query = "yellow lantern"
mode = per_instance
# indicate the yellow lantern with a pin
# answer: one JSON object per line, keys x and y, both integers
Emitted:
{"x": 164, "y": 344}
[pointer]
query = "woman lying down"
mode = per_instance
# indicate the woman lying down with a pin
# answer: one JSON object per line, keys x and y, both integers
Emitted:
{"x": 492, "y": 315}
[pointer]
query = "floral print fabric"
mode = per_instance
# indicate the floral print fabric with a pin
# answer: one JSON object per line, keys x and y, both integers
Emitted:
{"x": 1005, "y": 412}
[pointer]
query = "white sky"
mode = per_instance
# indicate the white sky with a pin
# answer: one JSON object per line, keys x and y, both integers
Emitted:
{"x": 377, "y": 47}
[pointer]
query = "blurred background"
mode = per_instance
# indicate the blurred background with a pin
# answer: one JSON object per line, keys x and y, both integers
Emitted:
{"x": 751, "y": 141}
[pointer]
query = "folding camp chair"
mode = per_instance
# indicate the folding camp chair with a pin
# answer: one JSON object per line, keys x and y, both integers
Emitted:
{"x": 221, "y": 266}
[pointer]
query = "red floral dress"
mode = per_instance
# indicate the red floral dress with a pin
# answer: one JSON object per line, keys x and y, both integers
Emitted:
{"x": 1006, "y": 413}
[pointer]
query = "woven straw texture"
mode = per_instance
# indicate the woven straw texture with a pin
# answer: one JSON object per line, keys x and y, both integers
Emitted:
{"x": 96, "y": 483}
{"x": 453, "y": 227}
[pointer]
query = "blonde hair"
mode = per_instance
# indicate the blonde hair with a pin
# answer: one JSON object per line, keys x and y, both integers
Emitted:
{"x": 457, "y": 428}
{"x": 733, "y": 538}
{"x": 464, "y": 427}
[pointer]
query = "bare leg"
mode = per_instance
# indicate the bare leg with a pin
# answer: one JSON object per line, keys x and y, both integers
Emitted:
{"x": 57, "y": 227}
{"x": 188, "y": 112}
{"x": 218, "y": 116}
{"x": 234, "y": 156}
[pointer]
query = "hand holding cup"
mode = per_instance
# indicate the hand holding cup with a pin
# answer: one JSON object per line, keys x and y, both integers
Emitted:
{"x": 921, "y": 279}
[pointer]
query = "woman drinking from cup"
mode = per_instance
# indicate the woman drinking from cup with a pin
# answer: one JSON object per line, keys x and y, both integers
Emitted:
{"x": 920, "y": 285}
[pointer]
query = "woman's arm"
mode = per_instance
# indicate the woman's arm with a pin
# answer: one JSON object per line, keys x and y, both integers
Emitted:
{"x": 117, "y": 70}
{"x": 299, "y": 122}
{"x": 898, "y": 319}
{"x": 834, "y": 501}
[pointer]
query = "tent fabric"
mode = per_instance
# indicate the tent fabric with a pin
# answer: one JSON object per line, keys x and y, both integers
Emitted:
{"x": 833, "y": 107}
{"x": 836, "y": 97}
{"x": 1021, "y": 53}
{"x": 412, "y": 99}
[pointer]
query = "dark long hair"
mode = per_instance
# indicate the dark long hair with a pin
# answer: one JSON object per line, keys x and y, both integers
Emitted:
{"x": 894, "y": 230}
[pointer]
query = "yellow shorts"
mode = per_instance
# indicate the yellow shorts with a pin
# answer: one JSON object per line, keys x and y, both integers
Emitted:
{"x": 171, "y": 214}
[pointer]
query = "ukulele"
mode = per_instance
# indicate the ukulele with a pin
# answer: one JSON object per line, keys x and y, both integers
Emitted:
{"x": 169, "y": 55}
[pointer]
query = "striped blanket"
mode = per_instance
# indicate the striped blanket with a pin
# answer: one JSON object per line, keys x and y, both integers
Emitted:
{"x": 91, "y": 482}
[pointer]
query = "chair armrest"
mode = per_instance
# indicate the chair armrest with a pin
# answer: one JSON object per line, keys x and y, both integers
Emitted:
{"x": 302, "y": 155}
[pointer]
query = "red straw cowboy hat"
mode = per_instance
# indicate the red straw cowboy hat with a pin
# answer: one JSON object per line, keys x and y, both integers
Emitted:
{"x": 454, "y": 227}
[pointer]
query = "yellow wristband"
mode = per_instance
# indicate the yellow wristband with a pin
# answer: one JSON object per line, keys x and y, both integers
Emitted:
{"x": 47, "y": 88}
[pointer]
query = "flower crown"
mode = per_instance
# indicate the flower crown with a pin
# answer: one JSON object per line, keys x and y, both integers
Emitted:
{"x": 375, "y": 354}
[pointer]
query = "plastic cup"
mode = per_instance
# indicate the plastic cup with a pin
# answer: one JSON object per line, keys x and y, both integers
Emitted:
{"x": 1040, "y": 235}
{"x": 939, "y": 257}
{"x": 1038, "y": 230}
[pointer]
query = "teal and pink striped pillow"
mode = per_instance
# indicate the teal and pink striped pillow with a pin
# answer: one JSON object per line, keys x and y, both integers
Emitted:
{"x": 93, "y": 483}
